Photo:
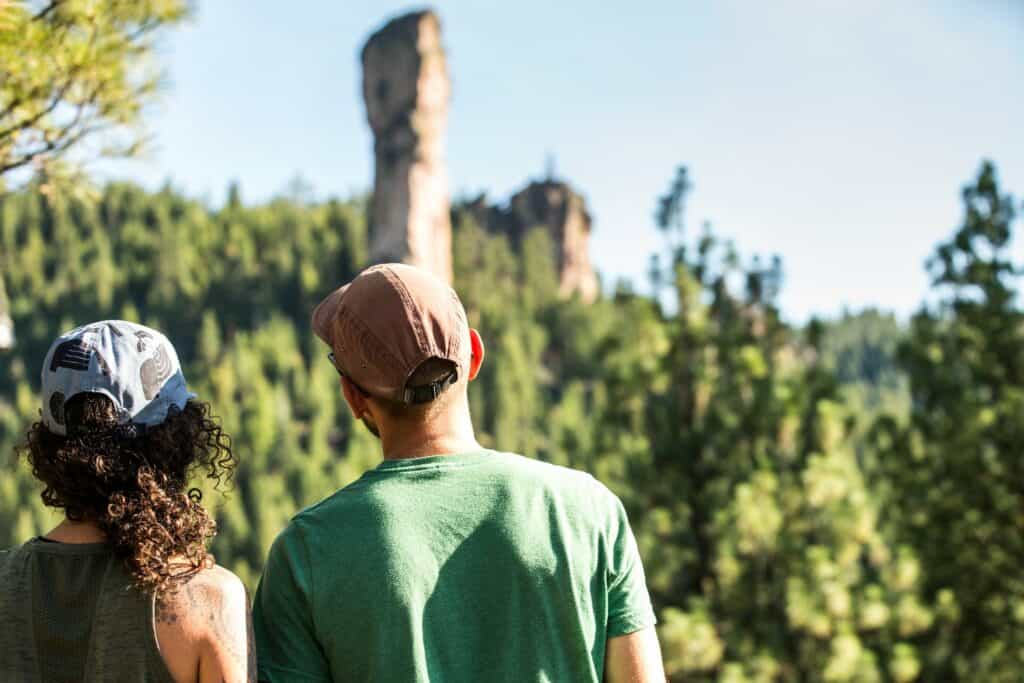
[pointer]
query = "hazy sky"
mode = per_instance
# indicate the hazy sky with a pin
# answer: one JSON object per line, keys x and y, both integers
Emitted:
{"x": 836, "y": 134}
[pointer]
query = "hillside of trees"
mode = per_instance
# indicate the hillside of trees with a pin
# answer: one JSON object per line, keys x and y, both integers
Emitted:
{"x": 841, "y": 501}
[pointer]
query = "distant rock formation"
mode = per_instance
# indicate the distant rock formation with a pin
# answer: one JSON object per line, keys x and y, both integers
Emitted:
{"x": 553, "y": 205}
{"x": 564, "y": 213}
{"x": 406, "y": 90}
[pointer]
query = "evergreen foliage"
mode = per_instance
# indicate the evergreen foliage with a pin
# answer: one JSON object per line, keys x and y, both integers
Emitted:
{"x": 952, "y": 480}
{"x": 839, "y": 502}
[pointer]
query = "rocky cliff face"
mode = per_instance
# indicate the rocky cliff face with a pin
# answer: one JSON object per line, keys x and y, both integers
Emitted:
{"x": 406, "y": 89}
{"x": 555, "y": 206}
{"x": 563, "y": 212}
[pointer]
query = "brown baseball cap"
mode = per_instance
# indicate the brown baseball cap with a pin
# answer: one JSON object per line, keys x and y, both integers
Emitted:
{"x": 388, "y": 321}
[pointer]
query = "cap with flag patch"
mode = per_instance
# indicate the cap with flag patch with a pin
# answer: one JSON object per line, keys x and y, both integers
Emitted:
{"x": 134, "y": 366}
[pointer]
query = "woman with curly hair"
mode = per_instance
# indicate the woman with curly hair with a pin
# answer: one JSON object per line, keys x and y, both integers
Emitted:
{"x": 123, "y": 589}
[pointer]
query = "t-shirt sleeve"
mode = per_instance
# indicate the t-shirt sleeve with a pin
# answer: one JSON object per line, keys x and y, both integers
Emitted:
{"x": 286, "y": 645}
{"x": 629, "y": 604}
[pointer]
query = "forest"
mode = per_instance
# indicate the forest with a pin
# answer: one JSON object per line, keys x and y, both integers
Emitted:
{"x": 836, "y": 501}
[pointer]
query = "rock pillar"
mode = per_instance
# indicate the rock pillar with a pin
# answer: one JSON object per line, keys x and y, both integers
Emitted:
{"x": 406, "y": 90}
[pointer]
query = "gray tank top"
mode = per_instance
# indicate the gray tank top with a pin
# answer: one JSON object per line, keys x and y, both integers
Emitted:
{"x": 69, "y": 613}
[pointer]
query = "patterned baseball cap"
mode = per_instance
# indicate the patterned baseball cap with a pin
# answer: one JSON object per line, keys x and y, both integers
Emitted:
{"x": 134, "y": 366}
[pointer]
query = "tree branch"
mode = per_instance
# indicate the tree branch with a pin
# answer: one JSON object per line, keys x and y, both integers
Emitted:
{"x": 41, "y": 14}
{"x": 143, "y": 28}
{"x": 52, "y": 147}
{"x": 32, "y": 120}
{"x": 62, "y": 91}
{"x": 63, "y": 140}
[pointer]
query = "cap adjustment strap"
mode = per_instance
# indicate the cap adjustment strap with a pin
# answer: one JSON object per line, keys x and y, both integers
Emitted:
{"x": 428, "y": 392}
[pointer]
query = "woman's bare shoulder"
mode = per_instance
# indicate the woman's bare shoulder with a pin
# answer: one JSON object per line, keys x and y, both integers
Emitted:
{"x": 195, "y": 595}
{"x": 204, "y": 617}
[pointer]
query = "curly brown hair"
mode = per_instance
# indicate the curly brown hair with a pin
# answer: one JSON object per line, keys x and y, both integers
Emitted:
{"x": 135, "y": 486}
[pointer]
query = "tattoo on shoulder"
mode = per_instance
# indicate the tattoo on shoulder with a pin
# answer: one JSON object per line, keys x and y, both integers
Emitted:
{"x": 166, "y": 610}
{"x": 227, "y": 627}
{"x": 198, "y": 599}
{"x": 167, "y": 601}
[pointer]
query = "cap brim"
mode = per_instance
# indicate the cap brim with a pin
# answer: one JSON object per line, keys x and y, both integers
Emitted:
{"x": 325, "y": 313}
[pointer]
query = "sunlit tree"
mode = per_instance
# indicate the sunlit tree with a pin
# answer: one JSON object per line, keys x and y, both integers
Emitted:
{"x": 76, "y": 76}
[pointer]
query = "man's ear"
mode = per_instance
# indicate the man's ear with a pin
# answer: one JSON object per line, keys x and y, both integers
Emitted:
{"x": 354, "y": 398}
{"x": 477, "y": 357}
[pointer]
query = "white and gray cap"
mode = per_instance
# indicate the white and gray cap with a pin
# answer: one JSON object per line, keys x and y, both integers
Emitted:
{"x": 134, "y": 366}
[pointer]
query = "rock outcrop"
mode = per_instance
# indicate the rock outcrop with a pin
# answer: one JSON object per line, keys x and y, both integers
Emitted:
{"x": 406, "y": 89}
{"x": 555, "y": 206}
{"x": 563, "y": 212}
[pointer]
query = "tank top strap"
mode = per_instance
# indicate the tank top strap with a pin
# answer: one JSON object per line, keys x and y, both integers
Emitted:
{"x": 123, "y": 644}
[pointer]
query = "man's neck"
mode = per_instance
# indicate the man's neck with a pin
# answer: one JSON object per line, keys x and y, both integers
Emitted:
{"x": 438, "y": 438}
{"x": 423, "y": 447}
{"x": 70, "y": 531}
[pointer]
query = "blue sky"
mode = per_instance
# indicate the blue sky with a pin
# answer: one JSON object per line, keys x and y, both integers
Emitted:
{"x": 835, "y": 134}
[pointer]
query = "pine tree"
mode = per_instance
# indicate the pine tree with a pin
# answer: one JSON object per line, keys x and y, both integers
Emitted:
{"x": 954, "y": 476}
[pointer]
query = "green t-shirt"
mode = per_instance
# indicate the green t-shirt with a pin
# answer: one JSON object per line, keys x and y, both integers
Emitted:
{"x": 482, "y": 566}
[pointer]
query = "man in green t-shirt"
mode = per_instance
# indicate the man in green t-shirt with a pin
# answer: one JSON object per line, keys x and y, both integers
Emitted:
{"x": 447, "y": 562}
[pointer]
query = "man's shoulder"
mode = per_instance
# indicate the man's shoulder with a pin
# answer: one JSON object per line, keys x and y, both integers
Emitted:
{"x": 348, "y": 496}
{"x": 350, "y": 506}
{"x": 548, "y": 471}
{"x": 365, "y": 491}
{"x": 559, "y": 480}
{"x": 330, "y": 514}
